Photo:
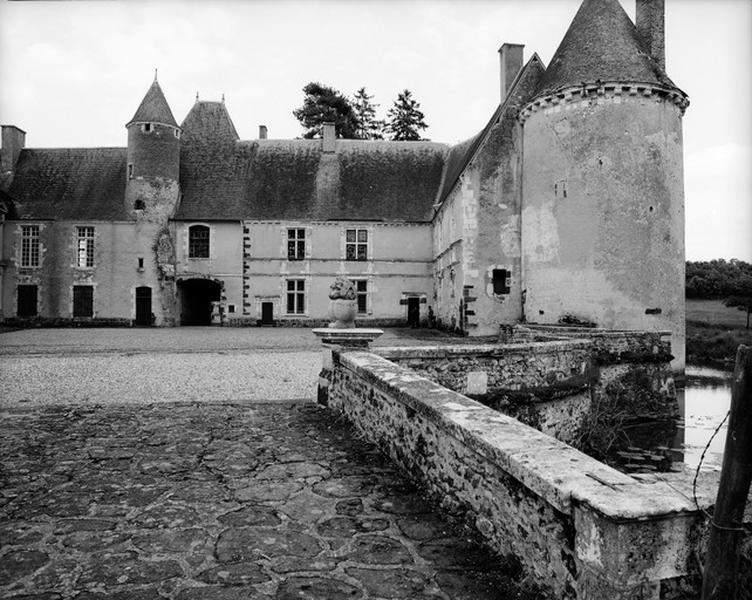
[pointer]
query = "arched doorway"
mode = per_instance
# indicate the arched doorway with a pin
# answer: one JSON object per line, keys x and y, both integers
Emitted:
{"x": 196, "y": 296}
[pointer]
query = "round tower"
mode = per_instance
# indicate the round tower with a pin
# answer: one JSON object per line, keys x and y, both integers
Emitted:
{"x": 603, "y": 198}
{"x": 153, "y": 159}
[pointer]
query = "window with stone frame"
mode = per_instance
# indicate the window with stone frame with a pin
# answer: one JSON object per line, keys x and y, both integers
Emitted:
{"x": 30, "y": 246}
{"x": 356, "y": 244}
{"x": 27, "y": 301}
{"x": 500, "y": 281}
{"x": 295, "y": 296}
{"x": 198, "y": 241}
{"x": 361, "y": 295}
{"x": 84, "y": 247}
{"x": 83, "y": 301}
{"x": 296, "y": 243}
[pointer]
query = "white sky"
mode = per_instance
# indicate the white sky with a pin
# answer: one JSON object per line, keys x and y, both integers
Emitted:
{"x": 73, "y": 73}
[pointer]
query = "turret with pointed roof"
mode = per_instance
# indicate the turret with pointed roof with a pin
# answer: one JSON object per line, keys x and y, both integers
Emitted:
{"x": 153, "y": 158}
{"x": 603, "y": 208}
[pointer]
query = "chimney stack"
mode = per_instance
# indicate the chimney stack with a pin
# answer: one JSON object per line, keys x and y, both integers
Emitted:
{"x": 330, "y": 135}
{"x": 262, "y": 132}
{"x": 511, "y": 63}
{"x": 650, "y": 20}
{"x": 13, "y": 141}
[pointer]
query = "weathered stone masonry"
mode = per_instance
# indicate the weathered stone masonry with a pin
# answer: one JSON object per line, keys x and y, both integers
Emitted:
{"x": 585, "y": 529}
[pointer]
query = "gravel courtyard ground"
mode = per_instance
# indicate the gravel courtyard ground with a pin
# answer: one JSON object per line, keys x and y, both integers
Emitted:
{"x": 206, "y": 364}
{"x": 133, "y": 493}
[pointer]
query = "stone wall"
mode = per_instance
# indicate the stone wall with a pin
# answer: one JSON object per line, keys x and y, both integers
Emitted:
{"x": 543, "y": 384}
{"x": 582, "y": 528}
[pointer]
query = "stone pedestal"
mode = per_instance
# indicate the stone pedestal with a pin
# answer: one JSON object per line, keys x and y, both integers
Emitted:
{"x": 343, "y": 339}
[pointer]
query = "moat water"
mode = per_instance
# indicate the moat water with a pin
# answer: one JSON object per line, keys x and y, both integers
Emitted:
{"x": 673, "y": 446}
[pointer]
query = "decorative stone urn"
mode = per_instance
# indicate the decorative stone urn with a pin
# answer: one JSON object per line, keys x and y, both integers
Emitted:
{"x": 343, "y": 305}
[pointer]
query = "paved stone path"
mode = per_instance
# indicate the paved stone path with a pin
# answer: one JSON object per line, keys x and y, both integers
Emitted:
{"x": 220, "y": 501}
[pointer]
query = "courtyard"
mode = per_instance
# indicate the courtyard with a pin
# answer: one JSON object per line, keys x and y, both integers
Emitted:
{"x": 193, "y": 463}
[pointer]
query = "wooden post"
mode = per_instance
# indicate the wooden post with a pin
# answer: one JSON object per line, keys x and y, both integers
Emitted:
{"x": 721, "y": 572}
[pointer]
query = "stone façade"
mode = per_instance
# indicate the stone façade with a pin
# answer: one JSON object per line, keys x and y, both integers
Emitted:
{"x": 567, "y": 206}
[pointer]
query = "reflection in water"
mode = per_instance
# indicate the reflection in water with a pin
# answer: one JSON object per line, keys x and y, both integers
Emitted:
{"x": 671, "y": 446}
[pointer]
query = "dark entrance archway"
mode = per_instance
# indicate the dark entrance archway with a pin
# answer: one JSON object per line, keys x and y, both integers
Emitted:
{"x": 196, "y": 296}
{"x": 143, "y": 306}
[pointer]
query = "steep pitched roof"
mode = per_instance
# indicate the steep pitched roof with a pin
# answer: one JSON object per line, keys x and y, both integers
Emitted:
{"x": 295, "y": 179}
{"x": 601, "y": 44}
{"x": 208, "y": 123}
{"x": 154, "y": 108}
{"x": 70, "y": 183}
{"x": 461, "y": 154}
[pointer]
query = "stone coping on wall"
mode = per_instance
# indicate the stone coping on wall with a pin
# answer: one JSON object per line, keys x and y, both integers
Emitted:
{"x": 558, "y": 473}
{"x": 480, "y": 350}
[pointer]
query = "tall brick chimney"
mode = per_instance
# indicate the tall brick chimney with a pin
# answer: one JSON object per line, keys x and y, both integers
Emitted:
{"x": 262, "y": 132}
{"x": 650, "y": 20}
{"x": 330, "y": 137}
{"x": 13, "y": 140}
{"x": 510, "y": 56}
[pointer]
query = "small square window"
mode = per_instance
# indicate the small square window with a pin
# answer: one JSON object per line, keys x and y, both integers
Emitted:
{"x": 230, "y": 308}
{"x": 356, "y": 246}
{"x": 501, "y": 281}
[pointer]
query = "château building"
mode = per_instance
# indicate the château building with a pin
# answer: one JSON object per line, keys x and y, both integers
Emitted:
{"x": 566, "y": 208}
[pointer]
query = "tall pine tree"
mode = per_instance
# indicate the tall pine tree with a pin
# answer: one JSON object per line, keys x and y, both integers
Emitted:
{"x": 368, "y": 126}
{"x": 324, "y": 104}
{"x": 404, "y": 119}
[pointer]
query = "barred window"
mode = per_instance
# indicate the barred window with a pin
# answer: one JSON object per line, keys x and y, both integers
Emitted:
{"x": 361, "y": 289}
{"x": 85, "y": 246}
{"x": 83, "y": 301}
{"x": 30, "y": 245}
{"x": 356, "y": 244}
{"x": 295, "y": 244}
{"x": 198, "y": 241}
{"x": 295, "y": 296}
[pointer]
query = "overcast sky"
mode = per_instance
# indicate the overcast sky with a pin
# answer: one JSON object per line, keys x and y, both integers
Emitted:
{"x": 73, "y": 73}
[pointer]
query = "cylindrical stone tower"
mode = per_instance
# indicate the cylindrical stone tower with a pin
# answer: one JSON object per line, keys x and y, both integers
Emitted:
{"x": 603, "y": 198}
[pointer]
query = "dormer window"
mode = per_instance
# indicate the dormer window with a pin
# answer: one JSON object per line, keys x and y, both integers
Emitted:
{"x": 146, "y": 127}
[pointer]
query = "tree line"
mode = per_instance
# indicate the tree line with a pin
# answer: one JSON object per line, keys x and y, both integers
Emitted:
{"x": 730, "y": 281}
{"x": 355, "y": 118}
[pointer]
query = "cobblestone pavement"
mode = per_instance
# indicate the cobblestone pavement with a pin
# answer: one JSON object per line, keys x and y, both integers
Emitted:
{"x": 220, "y": 501}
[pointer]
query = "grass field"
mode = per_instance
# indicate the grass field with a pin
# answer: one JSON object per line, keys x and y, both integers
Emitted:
{"x": 714, "y": 332}
{"x": 713, "y": 312}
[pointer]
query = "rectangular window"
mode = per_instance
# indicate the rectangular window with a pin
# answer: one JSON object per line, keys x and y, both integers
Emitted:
{"x": 295, "y": 244}
{"x": 198, "y": 241}
{"x": 501, "y": 281}
{"x": 295, "y": 296}
{"x": 30, "y": 245}
{"x": 356, "y": 244}
{"x": 85, "y": 247}
{"x": 83, "y": 301}
{"x": 361, "y": 288}
{"x": 27, "y": 301}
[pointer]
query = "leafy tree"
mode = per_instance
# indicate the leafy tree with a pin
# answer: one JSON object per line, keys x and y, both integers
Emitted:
{"x": 368, "y": 126}
{"x": 742, "y": 297}
{"x": 324, "y": 104}
{"x": 715, "y": 278}
{"x": 404, "y": 119}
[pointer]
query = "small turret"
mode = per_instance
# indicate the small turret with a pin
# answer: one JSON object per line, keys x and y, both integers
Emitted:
{"x": 153, "y": 157}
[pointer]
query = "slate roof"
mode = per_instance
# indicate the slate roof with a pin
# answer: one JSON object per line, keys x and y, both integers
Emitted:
{"x": 460, "y": 155}
{"x": 223, "y": 178}
{"x": 70, "y": 184}
{"x": 601, "y": 44}
{"x": 154, "y": 108}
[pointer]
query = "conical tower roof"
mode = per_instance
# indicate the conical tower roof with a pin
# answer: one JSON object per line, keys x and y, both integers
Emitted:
{"x": 601, "y": 44}
{"x": 154, "y": 108}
